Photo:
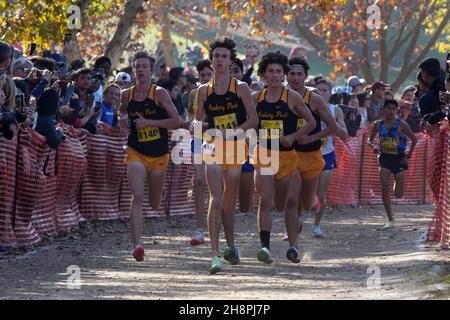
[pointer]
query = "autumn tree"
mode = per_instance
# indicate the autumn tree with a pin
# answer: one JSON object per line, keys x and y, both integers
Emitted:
{"x": 339, "y": 31}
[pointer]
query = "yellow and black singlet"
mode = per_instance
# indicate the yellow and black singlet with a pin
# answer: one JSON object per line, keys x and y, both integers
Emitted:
{"x": 224, "y": 111}
{"x": 315, "y": 145}
{"x": 276, "y": 119}
{"x": 150, "y": 141}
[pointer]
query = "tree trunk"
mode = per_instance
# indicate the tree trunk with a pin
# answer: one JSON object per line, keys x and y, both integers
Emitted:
{"x": 408, "y": 67}
{"x": 121, "y": 37}
{"x": 223, "y": 27}
{"x": 167, "y": 39}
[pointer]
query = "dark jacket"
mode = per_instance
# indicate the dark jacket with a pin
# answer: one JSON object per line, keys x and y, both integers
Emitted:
{"x": 47, "y": 105}
{"x": 46, "y": 126}
{"x": 7, "y": 119}
{"x": 429, "y": 102}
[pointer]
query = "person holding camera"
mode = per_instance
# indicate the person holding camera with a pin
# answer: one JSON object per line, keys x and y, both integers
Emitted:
{"x": 430, "y": 103}
{"x": 7, "y": 119}
{"x": 82, "y": 101}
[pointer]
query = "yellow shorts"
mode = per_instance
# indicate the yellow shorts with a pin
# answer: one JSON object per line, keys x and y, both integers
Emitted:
{"x": 310, "y": 164}
{"x": 287, "y": 161}
{"x": 150, "y": 163}
{"x": 232, "y": 155}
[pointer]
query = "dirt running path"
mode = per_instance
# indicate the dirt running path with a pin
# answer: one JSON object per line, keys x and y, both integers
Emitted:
{"x": 332, "y": 268}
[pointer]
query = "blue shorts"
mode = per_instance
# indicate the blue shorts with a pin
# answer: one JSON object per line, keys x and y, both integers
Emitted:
{"x": 247, "y": 167}
{"x": 330, "y": 161}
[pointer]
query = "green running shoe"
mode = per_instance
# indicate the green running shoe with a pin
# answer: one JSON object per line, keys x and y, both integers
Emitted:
{"x": 231, "y": 255}
{"x": 216, "y": 265}
{"x": 264, "y": 255}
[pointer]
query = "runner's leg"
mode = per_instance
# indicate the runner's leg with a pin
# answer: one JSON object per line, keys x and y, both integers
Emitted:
{"x": 156, "y": 180}
{"x": 214, "y": 178}
{"x": 136, "y": 173}
{"x": 384, "y": 178}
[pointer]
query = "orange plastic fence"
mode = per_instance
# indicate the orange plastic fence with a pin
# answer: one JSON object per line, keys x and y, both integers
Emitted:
{"x": 356, "y": 180}
{"x": 439, "y": 177}
{"x": 87, "y": 177}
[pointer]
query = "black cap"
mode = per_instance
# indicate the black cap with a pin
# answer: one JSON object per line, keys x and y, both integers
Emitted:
{"x": 191, "y": 78}
{"x": 98, "y": 74}
{"x": 432, "y": 66}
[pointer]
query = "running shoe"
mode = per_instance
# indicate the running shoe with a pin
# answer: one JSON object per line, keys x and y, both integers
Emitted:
{"x": 216, "y": 265}
{"x": 138, "y": 253}
{"x": 292, "y": 255}
{"x": 198, "y": 239}
{"x": 389, "y": 225}
{"x": 317, "y": 232}
{"x": 263, "y": 255}
{"x": 231, "y": 255}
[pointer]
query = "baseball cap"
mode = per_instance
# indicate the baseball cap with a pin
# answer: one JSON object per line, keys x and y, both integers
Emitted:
{"x": 379, "y": 85}
{"x": 123, "y": 76}
{"x": 191, "y": 78}
{"x": 98, "y": 74}
{"x": 355, "y": 81}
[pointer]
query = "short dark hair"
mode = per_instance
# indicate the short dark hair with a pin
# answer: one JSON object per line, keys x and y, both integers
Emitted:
{"x": 273, "y": 58}
{"x": 82, "y": 71}
{"x": 101, "y": 60}
{"x": 141, "y": 54}
{"x": 77, "y": 64}
{"x": 223, "y": 42}
{"x": 432, "y": 66}
{"x": 5, "y": 51}
{"x": 202, "y": 64}
{"x": 336, "y": 98}
{"x": 175, "y": 73}
{"x": 45, "y": 63}
{"x": 362, "y": 96}
{"x": 297, "y": 60}
{"x": 167, "y": 84}
{"x": 325, "y": 82}
{"x": 240, "y": 64}
{"x": 389, "y": 102}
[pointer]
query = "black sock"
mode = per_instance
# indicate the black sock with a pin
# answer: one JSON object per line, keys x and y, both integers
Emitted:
{"x": 265, "y": 239}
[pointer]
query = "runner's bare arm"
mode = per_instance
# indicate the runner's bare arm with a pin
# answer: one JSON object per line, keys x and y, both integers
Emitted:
{"x": 190, "y": 111}
{"x": 296, "y": 100}
{"x": 320, "y": 106}
{"x": 244, "y": 93}
{"x": 341, "y": 130}
{"x": 122, "y": 115}
{"x": 201, "y": 98}
{"x": 373, "y": 133}
{"x": 162, "y": 99}
{"x": 408, "y": 132}
{"x": 255, "y": 97}
{"x": 299, "y": 107}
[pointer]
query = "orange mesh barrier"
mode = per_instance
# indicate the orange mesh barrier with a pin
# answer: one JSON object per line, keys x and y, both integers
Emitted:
{"x": 439, "y": 177}
{"x": 72, "y": 167}
{"x": 8, "y": 154}
{"x": 105, "y": 171}
{"x": 32, "y": 150}
{"x": 87, "y": 176}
